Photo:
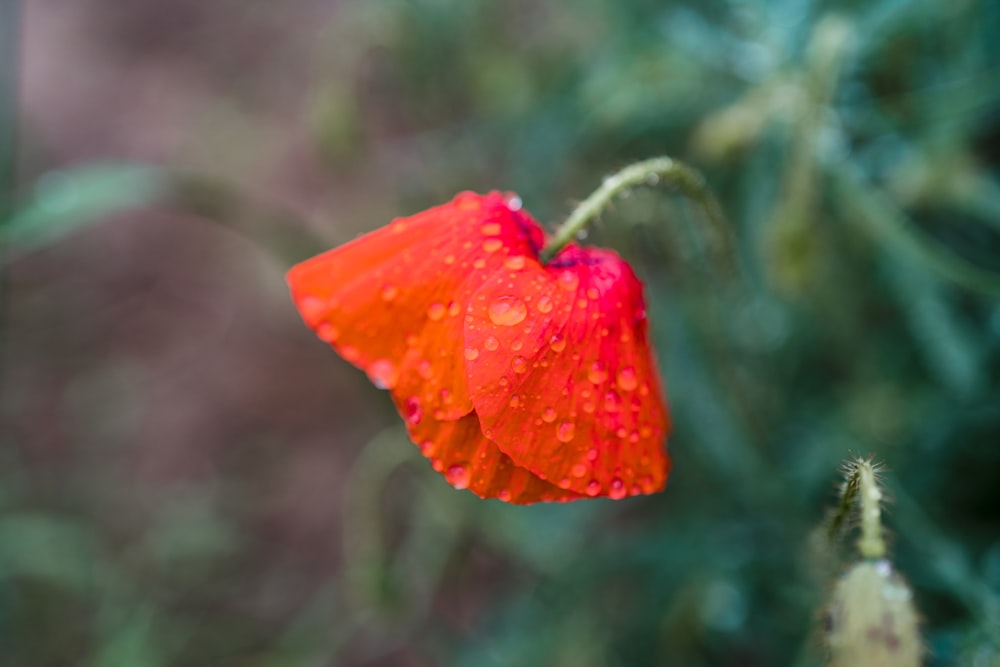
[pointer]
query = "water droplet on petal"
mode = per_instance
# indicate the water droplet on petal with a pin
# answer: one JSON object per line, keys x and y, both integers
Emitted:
{"x": 449, "y": 259}
{"x": 504, "y": 495}
{"x": 557, "y": 343}
{"x": 627, "y": 380}
{"x": 644, "y": 389}
{"x": 544, "y": 305}
{"x": 647, "y": 484}
{"x": 490, "y": 229}
{"x": 413, "y": 413}
{"x": 516, "y": 345}
{"x": 350, "y": 353}
{"x": 467, "y": 201}
{"x": 425, "y": 370}
{"x": 383, "y": 374}
{"x": 569, "y": 280}
{"x": 593, "y": 488}
{"x": 564, "y": 483}
{"x": 492, "y": 245}
{"x": 514, "y": 203}
{"x": 471, "y": 353}
{"x": 479, "y": 263}
{"x": 618, "y": 490}
{"x": 515, "y": 401}
{"x": 508, "y": 311}
{"x": 458, "y": 476}
{"x": 621, "y": 432}
{"x": 612, "y": 402}
{"x": 579, "y": 470}
{"x": 454, "y": 309}
{"x": 312, "y": 309}
{"x": 597, "y": 373}
{"x": 491, "y": 343}
{"x": 520, "y": 365}
{"x": 592, "y": 454}
{"x": 592, "y": 293}
{"x": 427, "y": 447}
{"x": 565, "y": 432}
{"x": 436, "y": 311}
{"x": 327, "y": 332}
{"x": 588, "y": 407}
{"x": 515, "y": 263}
{"x": 549, "y": 415}
{"x": 389, "y": 292}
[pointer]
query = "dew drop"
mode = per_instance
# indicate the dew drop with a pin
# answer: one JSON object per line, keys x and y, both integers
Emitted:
{"x": 569, "y": 280}
{"x": 471, "y": 353}
{"x": 312, "y": 309}
{"x": 557, "y": 343}
{"x": 479, "y": 263}
{"x": 491, "y": 343}
{"x": 612, "y": 402}
{"x": 492, "y": 245}
{"x": 646, "y": 432}
{"x": 458, "y": 476}
{"x": 597, "y": 373}
{"x": 504, "y": 381}
{"x": 627, "y": 380}
{"x": 621, "y": 432}
{"x": 436, "y": 311}
{"x": 504, "y": 495}
{"x": 508, "y": 311}
{"x": 350, "y": 353}
{"x": 454, "y": 309}
{"x": 644, "y": 389}
{"x": 544, "y": 305}
{"x": 514, "y": 203}
{"x": 634, "y": 437}
{"x": 579, "y": 470}
{"x": 425, "y": 370}
{"x": 516, "y": 345}
{"x": 490, "y": 229}
{"x": 647, "y": 484}
{"x": 449, "y": 259}
{"x": 389, "y": 292}
{"x": 515, "y": 401}
{"x": 592, "y": 293}
{"x": 414, "y": 413}
{"x": 565, "y": 432}
{"x": 467, "y": 201}
{"x": 445, "y": 396}
{"x": 427, "y": 447}
{"x": 592, "y": 454}
{"x": 515, "y": 263}
{"x": 520, "y": 365}
{"x": 564, "y": 483}
{"x": 618, "y": 490}
{"x": 327, "y": 332}
{"x": 593, "y": 488}
{"x": 589, "y": 407}
{"x": 548, "y": 415}
{"x": 383, "y": 374}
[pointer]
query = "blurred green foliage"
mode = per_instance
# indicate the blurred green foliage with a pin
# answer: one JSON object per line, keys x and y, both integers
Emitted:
{"x": 855, "y": 147}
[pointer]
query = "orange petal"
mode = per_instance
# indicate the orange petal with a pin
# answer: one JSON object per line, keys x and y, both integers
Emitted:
{"x": 393, "y": 301}
{"x": 564, "y": 381}
{"x": 458, "y": 450}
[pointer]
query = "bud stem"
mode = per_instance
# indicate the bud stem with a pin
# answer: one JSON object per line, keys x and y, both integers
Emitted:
{"x": 648, "y": 172}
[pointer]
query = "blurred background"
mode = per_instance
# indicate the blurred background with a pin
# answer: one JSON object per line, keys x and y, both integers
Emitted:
{"x": 188, "y": 477}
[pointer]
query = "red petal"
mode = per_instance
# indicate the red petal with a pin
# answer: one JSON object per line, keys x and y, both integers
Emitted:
{"x": 392, "y": 302}
{"x": 564, "y": 380}
{"x": 458, "y": 450}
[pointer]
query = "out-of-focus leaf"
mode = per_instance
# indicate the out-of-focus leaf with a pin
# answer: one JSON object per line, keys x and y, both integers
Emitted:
{"x": 66, "y": 200}
{"x": 57, "y": 550}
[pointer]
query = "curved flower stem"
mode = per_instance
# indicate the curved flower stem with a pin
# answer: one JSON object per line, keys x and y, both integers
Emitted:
{"x": 648, "y": 172}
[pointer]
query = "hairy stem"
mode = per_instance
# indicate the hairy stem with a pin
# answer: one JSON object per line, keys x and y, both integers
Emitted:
{"x": 648, "y": 172}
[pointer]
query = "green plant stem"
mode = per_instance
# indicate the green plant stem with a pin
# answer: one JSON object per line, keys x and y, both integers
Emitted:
{"x": 9, "y": 27}
{"x": 648, "y": 172}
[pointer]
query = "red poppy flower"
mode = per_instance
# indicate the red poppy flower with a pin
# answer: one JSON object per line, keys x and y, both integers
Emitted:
{"x": 519, "y": 380}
